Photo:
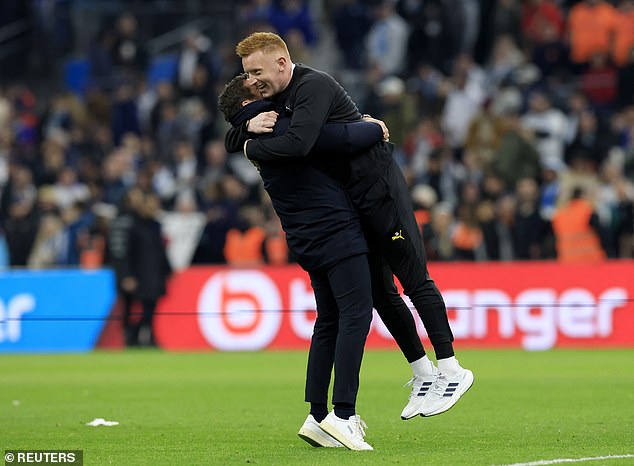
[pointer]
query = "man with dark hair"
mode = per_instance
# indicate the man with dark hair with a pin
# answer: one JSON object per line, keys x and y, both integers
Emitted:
{"x": 324, "y": 233}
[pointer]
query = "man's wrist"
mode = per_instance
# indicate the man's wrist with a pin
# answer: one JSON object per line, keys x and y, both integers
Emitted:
{"x": 246, "y": 125}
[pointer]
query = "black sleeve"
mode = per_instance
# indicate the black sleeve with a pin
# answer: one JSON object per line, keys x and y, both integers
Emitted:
{"x": 132, "y": 262}
{"x": 347, "y": 137}
{"x": 235, "y": 138}
{"x": 314, "y": 97}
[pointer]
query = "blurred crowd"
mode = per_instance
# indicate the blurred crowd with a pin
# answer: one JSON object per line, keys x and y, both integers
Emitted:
{"x": 510, "y": 118}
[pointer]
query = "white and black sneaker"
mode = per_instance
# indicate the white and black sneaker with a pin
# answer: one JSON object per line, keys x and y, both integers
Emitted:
{"x": 420, "y": 388}
{"x": 446, "y": 391}
{"x": 350, "y": 432}
{"x": 315, "y": 435}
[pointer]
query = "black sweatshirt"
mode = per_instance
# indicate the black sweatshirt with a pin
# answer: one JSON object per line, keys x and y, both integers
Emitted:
{"x": 314, "y": 98}
{"x": 321, "y": 226}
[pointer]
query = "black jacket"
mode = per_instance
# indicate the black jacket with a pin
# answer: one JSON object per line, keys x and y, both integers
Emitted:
{"x": 148, "y": 259}
{"x": 321, "y": 226}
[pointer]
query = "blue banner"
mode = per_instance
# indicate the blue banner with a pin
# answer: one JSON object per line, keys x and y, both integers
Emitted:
{"x": 54, "y": 311}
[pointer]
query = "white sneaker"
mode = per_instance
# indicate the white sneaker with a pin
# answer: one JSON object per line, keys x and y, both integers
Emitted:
{"x": 313, "y": 434}
{"x": 446, "y": 392}
{"x": 349, "y": 431}
{"x": 420, "y": 388}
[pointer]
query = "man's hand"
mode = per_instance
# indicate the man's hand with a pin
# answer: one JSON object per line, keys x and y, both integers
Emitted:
{"x": 262, "y": 123}
{"x": 129, "y": 284}
{"x": 386, "y": 132}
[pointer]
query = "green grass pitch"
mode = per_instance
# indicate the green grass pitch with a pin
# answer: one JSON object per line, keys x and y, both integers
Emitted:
{"x": 240, "y": 408}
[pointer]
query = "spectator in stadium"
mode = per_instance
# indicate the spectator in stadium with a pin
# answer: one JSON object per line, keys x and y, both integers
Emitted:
{"x": 547, "y": 125}
{"x": 626, "y": 82}
{"x": 386, "y": 42}
{"x": 125, "y": 117}
{"x": 542, "y": 21}
{"x": 575, "y": 225}
{"x": 550, "y": 188}
{"x": 507, "y": 21}
{"x": 395, "y": 107}
{"x": 221, "y": 210}
{"x": 506, "y": 207}
{"x": 129, "y": 53}
{"x": 505, "y": 58}
{"x": 467, "y": 235}
{"x": 438, "y": 232}
{"x": 590, "y": 29}
{"x": 20, "y": 218}
{"x": 293, "y": 15}
{"x": 245, "y": 246}
{"x": 550, "y": 53}
{"x": 68, "y": 189}
{"x": 442, "y": 175}
{"x": 623, "y": 33}
{"x": 464, "y": 95}
{"x": 432, "y": 41}
{"x": 351, "y": 21}
{"x": 100, "y": 58}
{"x": 530, "y": 228}
{"x": 599, "y": 81}
{"x": 148, "y": 267}
{"x": 195, "y": 59}
{"x": 515, "y": 157}
{"x": 118, "y": 252}
{"x": 78, "y": 221}
{"x": 592, "y": 140}
{"x": 613, "y": 207}
{"x": 484, "y": 135}
{"x": 266, "y": 60}
{"x": 48, "y": 243}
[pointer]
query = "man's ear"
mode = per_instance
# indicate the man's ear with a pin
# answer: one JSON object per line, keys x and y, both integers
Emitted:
{"x": 281, "y": 63}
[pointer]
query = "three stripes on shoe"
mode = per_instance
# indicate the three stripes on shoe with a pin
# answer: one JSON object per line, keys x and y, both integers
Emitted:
{"x": 449, "y": 391}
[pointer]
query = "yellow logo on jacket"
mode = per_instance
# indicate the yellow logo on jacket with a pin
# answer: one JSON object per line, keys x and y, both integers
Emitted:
{"x": 397, "y": 235}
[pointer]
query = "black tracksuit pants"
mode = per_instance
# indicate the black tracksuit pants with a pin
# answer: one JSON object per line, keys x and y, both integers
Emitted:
{"x": 344, "y": 312}
{"x": 397, "y": 248}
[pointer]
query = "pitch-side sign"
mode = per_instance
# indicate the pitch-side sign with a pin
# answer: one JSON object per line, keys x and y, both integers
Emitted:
{"x": 535, "y": 306}
{"x": 53, "y": 311}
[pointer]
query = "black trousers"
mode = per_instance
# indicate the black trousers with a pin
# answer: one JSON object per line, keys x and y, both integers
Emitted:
{"x": 146, "y": 322}
{"x": 397, "y": 249}
{"x": 344, "y": 311}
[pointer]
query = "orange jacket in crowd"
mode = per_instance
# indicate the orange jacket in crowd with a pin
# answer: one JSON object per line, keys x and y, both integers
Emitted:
{"x": 576, "y": 239}
{"x": 590, "y": 30}
{"x": 245, "y": 248}
{"x": 623, "y": 37}
{"x": 466, "y": 237}
{"x": 276, "y": 250}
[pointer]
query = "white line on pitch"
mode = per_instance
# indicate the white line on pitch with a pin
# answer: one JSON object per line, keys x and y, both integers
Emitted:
{"x": 570, "y": 460}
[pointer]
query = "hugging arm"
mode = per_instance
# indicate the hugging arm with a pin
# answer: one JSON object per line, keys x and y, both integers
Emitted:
{"x": 340, "y": 138}
{"x": 312, "y": 106}
{"x": 333, "y": 138}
